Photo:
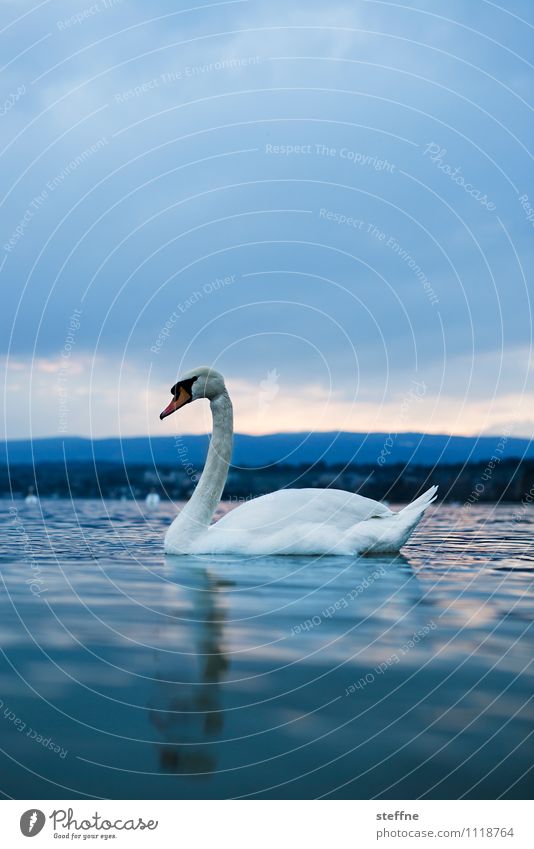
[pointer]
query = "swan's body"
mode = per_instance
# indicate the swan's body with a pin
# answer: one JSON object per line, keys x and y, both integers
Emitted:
{"x": 290, "y": 521}
{"x": 31, "y": 499}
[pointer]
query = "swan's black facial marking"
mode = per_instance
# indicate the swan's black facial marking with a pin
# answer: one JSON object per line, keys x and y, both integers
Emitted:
{"x": 182, "y": 394}
{"x": 184, "y": 384}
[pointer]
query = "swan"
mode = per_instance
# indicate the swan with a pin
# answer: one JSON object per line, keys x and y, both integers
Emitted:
{"x": 290, "y": 521}
{"x": 152, "y": 499}
{"x": 31, "y": 498}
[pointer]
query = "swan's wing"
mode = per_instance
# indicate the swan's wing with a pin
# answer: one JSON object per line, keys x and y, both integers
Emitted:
{"x": 292, "y": 507}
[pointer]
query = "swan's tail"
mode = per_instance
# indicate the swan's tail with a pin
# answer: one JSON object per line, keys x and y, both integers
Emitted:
{"x": 388, "y": 534}
{"x": 409, "y": 517}
{"x": 420, "y": 504}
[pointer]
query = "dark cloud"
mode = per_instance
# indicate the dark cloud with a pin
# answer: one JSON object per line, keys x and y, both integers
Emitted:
{"x": 358, "y": 173}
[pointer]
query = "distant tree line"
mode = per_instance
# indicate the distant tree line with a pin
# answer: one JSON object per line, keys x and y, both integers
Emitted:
{"x": 473, "y": 483}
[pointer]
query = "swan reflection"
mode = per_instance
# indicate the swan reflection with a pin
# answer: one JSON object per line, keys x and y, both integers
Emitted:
{"x": 187, "y": 713}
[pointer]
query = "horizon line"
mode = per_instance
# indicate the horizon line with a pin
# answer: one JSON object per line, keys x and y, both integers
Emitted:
{"x": 496, "y": 435}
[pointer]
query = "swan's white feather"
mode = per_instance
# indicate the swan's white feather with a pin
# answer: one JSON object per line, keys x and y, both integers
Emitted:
{"x": 292, "y": 507}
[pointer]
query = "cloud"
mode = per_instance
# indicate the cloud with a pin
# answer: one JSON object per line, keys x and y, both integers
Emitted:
{"x": 216, "y": 138}
{"x": 101, "y": 397}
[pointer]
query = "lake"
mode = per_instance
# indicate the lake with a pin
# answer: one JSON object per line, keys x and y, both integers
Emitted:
{"x": 128, "y": 674}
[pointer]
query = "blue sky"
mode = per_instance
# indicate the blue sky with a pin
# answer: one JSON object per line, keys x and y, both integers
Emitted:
{"x": 331, "y": 203}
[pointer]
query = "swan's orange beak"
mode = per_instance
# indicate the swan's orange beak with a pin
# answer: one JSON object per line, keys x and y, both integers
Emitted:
{"x": 182, "y": 398}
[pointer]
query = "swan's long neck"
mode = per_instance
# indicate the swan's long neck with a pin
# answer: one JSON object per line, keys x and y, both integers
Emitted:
{"x": 198, "y": 512}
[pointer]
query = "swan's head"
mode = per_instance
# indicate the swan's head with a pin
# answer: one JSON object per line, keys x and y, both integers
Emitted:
{"x": 203, "y": 382}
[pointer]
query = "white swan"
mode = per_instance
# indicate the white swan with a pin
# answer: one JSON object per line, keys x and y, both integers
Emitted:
{"x": 31, "y": 498}
{"x": 290, "y": 521}
{"x": 152, "y": 499}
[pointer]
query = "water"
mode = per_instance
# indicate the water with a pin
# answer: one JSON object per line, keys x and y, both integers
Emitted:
{"x": 126, "y": 674}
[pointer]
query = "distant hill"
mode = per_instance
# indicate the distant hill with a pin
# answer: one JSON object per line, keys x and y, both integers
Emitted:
{"x": 288, "y": 448}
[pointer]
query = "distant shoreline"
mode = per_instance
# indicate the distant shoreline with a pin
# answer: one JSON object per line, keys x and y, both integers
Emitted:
{"x": 465, "y": 483}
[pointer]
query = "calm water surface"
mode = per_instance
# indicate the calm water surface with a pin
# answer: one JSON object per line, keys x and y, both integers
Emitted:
{"x": 127, "y": 674}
